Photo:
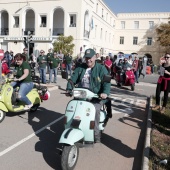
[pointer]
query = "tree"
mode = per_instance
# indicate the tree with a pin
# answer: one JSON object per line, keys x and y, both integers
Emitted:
{"x": 163, "y": 33}
{"x": 65, "y": 44}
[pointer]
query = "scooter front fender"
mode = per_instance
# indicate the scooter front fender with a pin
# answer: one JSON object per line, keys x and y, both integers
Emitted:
{"x": 3, "y": 107}
{"x": 71, "y": 136}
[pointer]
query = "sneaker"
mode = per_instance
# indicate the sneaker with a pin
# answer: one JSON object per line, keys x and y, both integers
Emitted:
{"x": 109, "y": 115}
{"x": 155, "y": 107}
{"x": 162, "y": 110}
{"x": 27, "y": 107}
{"x": 97, "y": 140}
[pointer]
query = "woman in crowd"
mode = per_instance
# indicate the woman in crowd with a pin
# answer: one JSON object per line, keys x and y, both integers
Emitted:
{"x": 163, "y": 84}
{"x": 108, "y": 64}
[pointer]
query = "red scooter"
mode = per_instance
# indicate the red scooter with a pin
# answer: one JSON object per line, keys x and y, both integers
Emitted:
{"x": 125, "y": 78}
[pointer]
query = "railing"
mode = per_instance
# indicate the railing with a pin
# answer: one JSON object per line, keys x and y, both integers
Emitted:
{"x": 4, "y": 31}
{"x": 58, "y": 31}
{"x": 32, "y": 30}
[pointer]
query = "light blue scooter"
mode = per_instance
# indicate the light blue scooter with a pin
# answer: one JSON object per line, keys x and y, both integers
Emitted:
{"x": 79, "y": 126}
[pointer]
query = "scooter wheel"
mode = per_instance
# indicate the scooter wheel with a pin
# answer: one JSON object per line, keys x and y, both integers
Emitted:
{"x": 2, "y": 115}
{"x": 69, "y": 157}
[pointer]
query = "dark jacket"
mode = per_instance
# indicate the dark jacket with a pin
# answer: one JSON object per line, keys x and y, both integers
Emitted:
{"x": 97, "y": 73}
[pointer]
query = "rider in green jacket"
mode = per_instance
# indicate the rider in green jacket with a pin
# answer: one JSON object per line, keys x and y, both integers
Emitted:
{"x": 90, "y": 75}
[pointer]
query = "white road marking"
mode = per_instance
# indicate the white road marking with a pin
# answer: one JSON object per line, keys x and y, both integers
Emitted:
{"x": 29, "y": 137}
{"x": 126, "y": 102}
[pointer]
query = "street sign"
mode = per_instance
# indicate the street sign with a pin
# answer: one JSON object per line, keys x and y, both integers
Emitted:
{"x": 1, "y": 54}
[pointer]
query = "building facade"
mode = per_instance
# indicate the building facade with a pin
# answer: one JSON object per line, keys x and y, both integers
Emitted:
{"x": 90, "y": 22}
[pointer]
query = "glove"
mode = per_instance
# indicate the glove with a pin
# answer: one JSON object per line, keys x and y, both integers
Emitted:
{"x": 69, "y": 93}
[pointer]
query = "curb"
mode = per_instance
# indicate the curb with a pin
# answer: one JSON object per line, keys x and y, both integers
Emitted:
{"x": 145, "y": 158}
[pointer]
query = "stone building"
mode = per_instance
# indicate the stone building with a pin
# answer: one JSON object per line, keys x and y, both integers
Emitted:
{"x": 90, "y": 22}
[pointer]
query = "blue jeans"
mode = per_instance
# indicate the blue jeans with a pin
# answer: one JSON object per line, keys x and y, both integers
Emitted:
{"x": 136, "y": 75}
{"x": 68, "y": 68}
{"x": 53, "y": 71}
{"x": 43, "y": 75}
{"x": 24, "y": 89}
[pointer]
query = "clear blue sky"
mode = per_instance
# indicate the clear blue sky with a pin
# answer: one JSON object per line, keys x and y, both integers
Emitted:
{"x": 128, "y": 6}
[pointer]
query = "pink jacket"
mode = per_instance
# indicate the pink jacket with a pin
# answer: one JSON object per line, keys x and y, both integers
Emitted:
{"x": 108, "y": 63}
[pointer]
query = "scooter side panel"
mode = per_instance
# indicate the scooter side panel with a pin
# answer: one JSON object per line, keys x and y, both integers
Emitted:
{"x": 6, "y": 94}
{"x": 3, "y": 107}
{"x": 71, "y": 136}
{"x": 85, "y": 111}
{"x": 34, "y": 97}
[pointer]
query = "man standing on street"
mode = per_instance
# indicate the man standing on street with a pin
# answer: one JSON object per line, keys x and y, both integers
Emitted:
{"x": 42, "y": 62}
{"x": 54, "y": 64}
{"x": 49, "y": 56}
{"x": 25, "y": 53}
{"x": 135, "y": 66}
{"x": 68, "y": 60}
{"x": 61, "y": 56}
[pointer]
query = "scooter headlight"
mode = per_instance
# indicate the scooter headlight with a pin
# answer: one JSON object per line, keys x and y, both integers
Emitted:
{"x": 79, "y": 94}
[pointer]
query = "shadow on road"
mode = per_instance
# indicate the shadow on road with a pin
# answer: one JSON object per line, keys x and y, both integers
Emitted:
{"x": 49, "y": 137}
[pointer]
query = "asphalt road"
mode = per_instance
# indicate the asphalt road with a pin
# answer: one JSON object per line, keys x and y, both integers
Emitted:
{"x": 30, "y": 140}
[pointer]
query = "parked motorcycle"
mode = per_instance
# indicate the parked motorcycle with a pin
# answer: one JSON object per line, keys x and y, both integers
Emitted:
{"x": 125, "y": 78}
{"x": 79, "y": 126}
{"x": 8, "y": 97}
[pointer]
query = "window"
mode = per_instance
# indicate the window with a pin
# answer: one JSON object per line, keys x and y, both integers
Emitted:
{"x": 95, "y": 31}
{"x": 121, "y": 40}
{"x": 114, "y": 24}
{"x": 96, "y": 8}
{"x": 135, "y": 40}
{"x": 101, "y": 32}
{"x": 151, "y": 24}
{"x": 106, "y": 16}
{"x": 106, "y": 36}
{"x": 102, "y": 13}
{"x": 122, "y": 24}
{"x": 149, "y": 41}
{"x": 43, "y": 21}
{"x": 16, "y": 21}
{"x": 136, "y": 24}
{"x": 72, "y": 20}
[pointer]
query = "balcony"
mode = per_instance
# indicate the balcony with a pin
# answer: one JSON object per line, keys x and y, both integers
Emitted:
{"x": 4, "y": 31}
{"x": 32, "y": 30}
{"x": 58, "y": 31}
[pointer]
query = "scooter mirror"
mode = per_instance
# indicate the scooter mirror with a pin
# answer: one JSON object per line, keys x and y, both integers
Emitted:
{"x": 107, "y": 78}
